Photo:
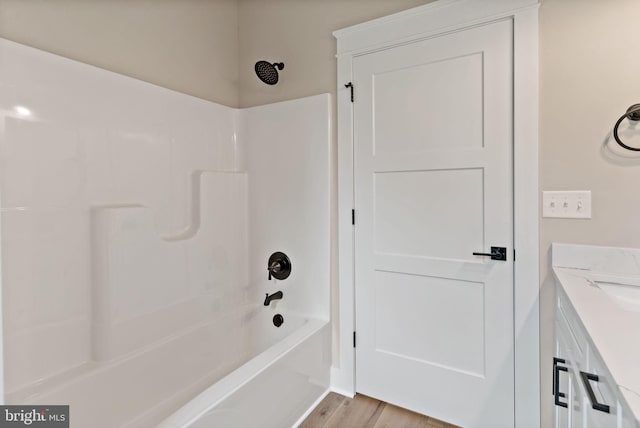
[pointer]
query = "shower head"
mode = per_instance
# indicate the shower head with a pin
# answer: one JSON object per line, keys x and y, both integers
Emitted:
{"x": 268, "y": 72}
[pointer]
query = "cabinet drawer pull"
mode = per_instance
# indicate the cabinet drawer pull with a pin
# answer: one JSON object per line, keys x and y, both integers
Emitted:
{"x": 586, "y": 377}
{"x": 556, "y": 381}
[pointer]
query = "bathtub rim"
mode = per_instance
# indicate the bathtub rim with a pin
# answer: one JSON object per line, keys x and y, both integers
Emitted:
{"x": 311, "y": 408}
{"x": 199, "y": 405}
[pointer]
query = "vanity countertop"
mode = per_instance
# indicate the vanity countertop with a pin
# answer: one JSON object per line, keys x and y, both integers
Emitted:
{"x": 603, "y": 286}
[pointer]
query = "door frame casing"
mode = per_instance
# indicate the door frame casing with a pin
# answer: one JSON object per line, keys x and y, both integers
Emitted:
{"x": 431, "y": 20}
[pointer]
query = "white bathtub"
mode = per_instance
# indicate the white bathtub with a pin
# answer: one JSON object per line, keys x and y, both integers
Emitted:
{"x": 242, "y": 368}
{"x": 272, "y": 390}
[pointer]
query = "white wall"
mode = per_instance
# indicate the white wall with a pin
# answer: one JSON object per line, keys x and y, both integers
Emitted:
{"x": 202, "y": 48}
{"x": 588, "y": 77}
{"x": 287, "y": 153}
{"x": 125, "y": 215}
{"x": 96, "y": 138}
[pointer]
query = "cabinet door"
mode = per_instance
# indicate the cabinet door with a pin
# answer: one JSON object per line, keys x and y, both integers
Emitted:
{"x": 577, "y": 400}
{"x": 600, "y": 389}
{"x": 561, "y": 385}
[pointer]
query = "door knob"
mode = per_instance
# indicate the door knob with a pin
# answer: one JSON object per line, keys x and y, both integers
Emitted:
{"x": 497, "y": 253}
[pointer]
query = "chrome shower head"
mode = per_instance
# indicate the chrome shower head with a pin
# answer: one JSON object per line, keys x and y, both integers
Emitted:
{"x": 268, "y": 72}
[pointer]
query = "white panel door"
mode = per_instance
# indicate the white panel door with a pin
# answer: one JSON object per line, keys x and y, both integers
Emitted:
{"x": 433, "y": 184}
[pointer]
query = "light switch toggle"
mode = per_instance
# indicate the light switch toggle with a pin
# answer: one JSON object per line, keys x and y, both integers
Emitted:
{"x": 566, "y": 204}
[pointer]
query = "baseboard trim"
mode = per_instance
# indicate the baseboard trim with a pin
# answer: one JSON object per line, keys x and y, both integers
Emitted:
{"x": 343, "y": 392}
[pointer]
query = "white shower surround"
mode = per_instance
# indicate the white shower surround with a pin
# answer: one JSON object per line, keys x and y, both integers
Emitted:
{"x": 137, "y": 220}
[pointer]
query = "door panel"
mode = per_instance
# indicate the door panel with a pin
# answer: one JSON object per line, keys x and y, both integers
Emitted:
{"x": 411, "y": 300}
{"x": 432, "y": 224}
{"x": 446, "y": 88}
{"x": 433, "y": 184}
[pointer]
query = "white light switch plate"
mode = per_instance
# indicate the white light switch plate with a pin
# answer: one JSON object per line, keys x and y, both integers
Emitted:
{"x": 567, "y": 204}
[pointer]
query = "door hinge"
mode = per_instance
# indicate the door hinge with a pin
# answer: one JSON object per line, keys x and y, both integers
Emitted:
{"x": 349, "y": 86}
{"x": 353, "y": 217}
{"x": 354, "y": 339}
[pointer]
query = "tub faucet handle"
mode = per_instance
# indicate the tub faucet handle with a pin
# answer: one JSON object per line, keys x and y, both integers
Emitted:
{"x": 274, "y": 268}
{"x": 279, "y": 266}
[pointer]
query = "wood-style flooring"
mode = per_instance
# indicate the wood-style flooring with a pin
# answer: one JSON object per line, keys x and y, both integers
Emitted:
{"x": 337, "y": 411}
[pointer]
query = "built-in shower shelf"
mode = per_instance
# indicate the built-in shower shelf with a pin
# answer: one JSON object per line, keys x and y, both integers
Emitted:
{"x": 146, "y": 287}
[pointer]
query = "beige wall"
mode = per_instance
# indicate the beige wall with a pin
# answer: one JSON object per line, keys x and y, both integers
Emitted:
{"x": 195, "y": 46}
{"x": 298, "y": 33}
{"x": 190, "y": 46}
{"x": 589, "y": 75}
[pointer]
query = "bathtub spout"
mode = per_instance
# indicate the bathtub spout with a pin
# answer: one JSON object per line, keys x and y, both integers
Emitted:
{"x": 275, "y": 296}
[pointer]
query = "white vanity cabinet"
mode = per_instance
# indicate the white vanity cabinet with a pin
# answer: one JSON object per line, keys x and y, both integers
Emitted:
{"x": 563, "y": 387}
{"x": 567, "y": 364}
{"x": 584, "y": 393}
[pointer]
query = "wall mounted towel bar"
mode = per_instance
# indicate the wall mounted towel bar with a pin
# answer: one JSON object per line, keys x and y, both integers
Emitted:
{"x": 633, "y": 113}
